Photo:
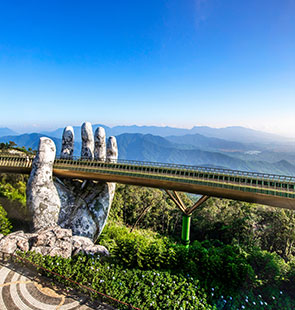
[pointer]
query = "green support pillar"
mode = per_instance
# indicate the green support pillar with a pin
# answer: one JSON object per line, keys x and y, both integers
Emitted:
{"x": 186, "y": 224}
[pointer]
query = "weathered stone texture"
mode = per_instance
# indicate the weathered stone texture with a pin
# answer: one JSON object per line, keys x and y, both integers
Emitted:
{"x": 82, "y": 206}
{"x": 51, "y": 241}
{"x": 17, "y": 240}
{"x": 87, "y": 151}
{"x": 100, "y": 144}
{"x": 42, "y": 198}
{"x": 67, "y": 148}
{"x": 112, "y": 149}
{"x": 85, "y": 205}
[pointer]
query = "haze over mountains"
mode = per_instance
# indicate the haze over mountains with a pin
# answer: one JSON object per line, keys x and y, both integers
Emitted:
{"x": 234, "y": 133}
{"x": 232, "y": 147}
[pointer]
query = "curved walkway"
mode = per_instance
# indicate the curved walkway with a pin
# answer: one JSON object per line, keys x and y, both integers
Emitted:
{"x": 21, "y": 289}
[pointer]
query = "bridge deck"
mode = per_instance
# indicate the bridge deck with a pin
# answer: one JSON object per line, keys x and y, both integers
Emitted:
{"x": 272, "y": 190}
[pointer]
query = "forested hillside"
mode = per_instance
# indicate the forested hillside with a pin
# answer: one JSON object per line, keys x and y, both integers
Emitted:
{"x": 240, "y": 254}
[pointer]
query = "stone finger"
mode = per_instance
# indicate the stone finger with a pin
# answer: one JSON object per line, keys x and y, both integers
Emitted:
{"x": 67, "y": 148}
{"x": 42, "y": 198}
{"x": 100, "y": 144}
{"x": 87, "y": 151}
{"x": 112, "y": 149}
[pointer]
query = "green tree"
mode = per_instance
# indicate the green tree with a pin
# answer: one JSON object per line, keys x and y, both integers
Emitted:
{"x": 5, "y": 225}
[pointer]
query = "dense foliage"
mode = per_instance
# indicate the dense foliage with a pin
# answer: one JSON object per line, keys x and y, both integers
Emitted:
{"x": 229, "y": 269}
{"x": 143, "y": 289}
{"x": 221, "y": 275}
{"x": 241, "y": 254}
{"x": 229, "y": 221}
{"x": 13, "y": 187}
{"x": 5, "y": 225}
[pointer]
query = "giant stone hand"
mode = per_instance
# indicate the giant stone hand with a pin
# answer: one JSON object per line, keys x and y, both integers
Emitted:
{"x": 82, "y": 206}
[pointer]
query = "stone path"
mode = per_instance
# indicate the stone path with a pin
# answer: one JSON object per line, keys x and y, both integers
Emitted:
{"x": 20, "y": 289}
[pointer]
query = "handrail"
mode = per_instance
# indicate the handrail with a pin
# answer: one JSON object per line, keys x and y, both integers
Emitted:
{"x": 231, "y": 172}
{"x": 219, "y": 171}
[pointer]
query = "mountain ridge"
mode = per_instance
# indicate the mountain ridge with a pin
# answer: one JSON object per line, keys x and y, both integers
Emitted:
{"x": 159, "y": 149}
{"x": 232, "y": 133}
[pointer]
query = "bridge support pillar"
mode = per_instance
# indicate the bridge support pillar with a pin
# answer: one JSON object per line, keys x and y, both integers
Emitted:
{"x": 186, "y": 226}
{"x": 187, "y": 213}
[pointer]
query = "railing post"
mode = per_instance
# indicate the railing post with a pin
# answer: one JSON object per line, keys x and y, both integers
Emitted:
{"x": 186, "y": 223}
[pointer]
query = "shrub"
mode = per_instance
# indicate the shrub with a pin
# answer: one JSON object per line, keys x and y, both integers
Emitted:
{"x": 5, "y": 225}
{"x": 144, "y": 289}
{"x": 269, "y": 268}
{"x": 224, "y": 266}
{"x": 139, "y": 249}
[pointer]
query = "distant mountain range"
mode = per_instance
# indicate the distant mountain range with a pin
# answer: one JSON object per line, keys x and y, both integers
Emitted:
{"x": 234, "y": 134}
{"x": 30, "y": 140}
{"x": 188, "y": 149}
{"x": 159, "y": 149}
{"x": 7, "y": 132}
{"x": 208, "y": 143}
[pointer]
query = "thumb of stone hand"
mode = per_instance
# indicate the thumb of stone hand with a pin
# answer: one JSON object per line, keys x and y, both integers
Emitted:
{"x": 42, "y": 198}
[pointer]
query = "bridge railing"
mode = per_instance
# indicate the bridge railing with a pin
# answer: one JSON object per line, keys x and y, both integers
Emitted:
{"x": 177, "y": 171}
{"x": 204, "y": 169}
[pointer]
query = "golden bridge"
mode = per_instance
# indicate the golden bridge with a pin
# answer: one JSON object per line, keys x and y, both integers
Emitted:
{"x": 267, "y": 189}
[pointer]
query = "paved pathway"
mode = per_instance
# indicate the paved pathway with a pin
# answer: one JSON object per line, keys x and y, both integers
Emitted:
{"x": 21, "y": 289}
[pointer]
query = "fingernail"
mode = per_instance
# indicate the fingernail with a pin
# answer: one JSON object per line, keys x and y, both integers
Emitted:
{"x": 87, "y": 141}
{"x": 100, "y": 143}
{"x": 67, "y": 148}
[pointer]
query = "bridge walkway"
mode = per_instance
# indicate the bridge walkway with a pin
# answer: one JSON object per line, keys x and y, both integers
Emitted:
{"x": 268, "y": 189}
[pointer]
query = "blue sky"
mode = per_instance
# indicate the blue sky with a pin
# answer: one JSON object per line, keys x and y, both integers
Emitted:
{"x": 150, "y": 62}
